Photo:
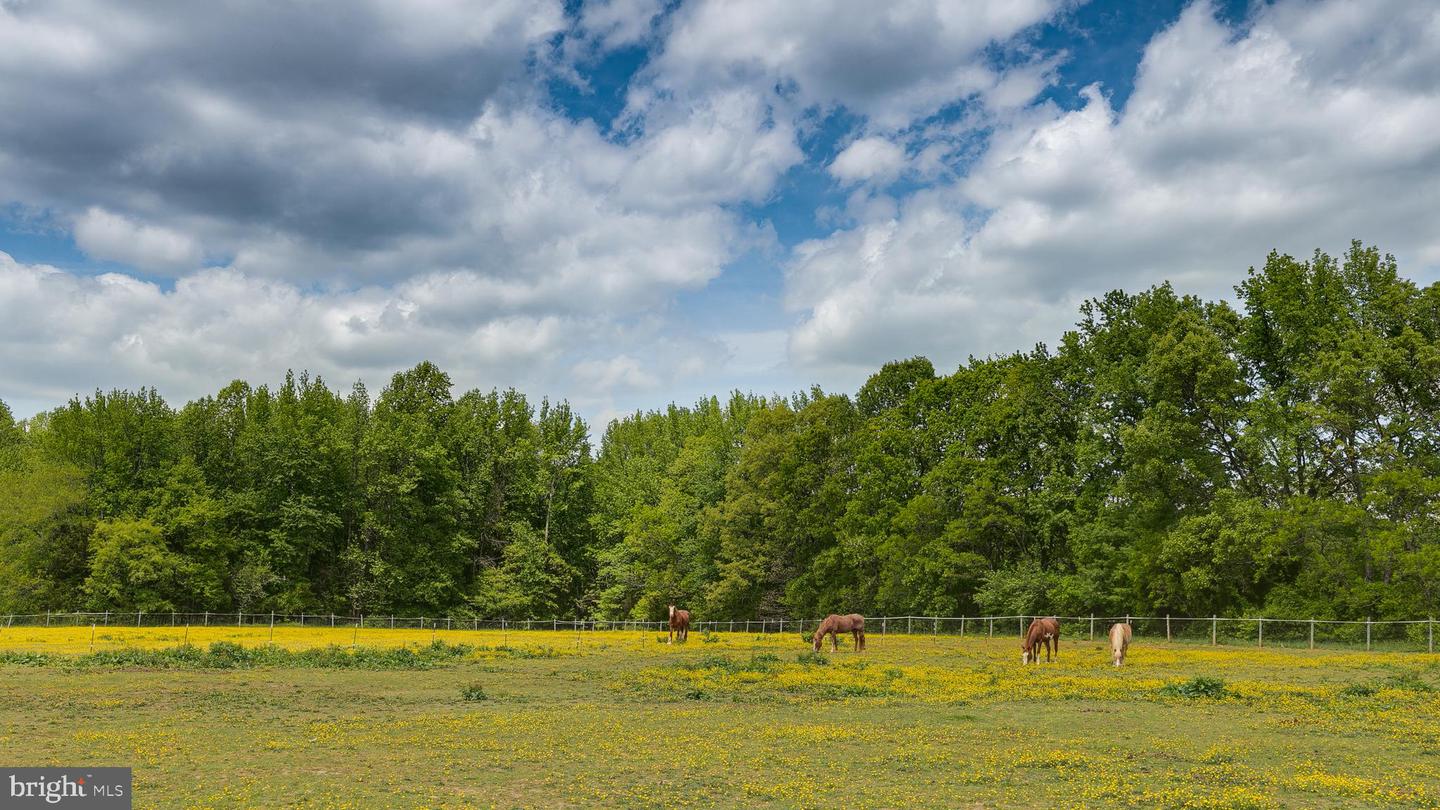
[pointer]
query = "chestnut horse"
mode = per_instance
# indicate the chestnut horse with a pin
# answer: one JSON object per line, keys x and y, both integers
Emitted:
{"x": 852, "y": 623}
{"x": 1119, "y": 642}
{"x": 679, "y": 625}
{"x": 1042, "y": 631}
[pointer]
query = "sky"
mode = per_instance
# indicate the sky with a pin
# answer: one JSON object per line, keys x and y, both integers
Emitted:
{"x": 636, "y": 202}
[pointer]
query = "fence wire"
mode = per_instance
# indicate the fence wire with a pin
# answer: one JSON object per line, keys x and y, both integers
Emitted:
{"x": 1257, "y": 631}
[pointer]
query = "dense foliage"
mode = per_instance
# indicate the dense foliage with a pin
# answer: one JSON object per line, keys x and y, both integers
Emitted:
{"x": 1170, "y": 455}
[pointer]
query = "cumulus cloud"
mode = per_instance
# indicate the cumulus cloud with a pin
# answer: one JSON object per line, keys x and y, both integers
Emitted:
{"x": 149, "y": 247}
{"x": 869, "y": 158}
{"x": 351, "y": 188}
{"x": 1232, "y": 143}
{"x": 892, "y": 62}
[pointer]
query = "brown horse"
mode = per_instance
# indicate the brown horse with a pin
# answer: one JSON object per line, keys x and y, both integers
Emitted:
{"x": 1119, "y": 642}
{"x": 852, "y": 623}
{"x": 679, "y": 625}
{"x": 1042, "y": 631}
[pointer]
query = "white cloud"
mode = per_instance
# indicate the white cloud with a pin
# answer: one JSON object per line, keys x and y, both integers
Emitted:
{"x": 892, "y": 62}
{"x": 872, "y": 158}
{"x": 104, "y": 235}
{"x": 1229, "y": 145}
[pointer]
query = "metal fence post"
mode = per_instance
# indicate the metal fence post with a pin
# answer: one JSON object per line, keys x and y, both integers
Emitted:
{"x": 1167, "y": 626}
{"x": 1092, "y": 626}
{"x": 1430, "y": 634}
{"x": 1367, "y": 633}
{"x": 138, "y": 614}
{"x": 1260, "y": 631}
{"x": 207, "y": 618}
{"x": 962, "y": 627}
{"x": 1213, "y": 622}
{"x": 1312, "y": 633}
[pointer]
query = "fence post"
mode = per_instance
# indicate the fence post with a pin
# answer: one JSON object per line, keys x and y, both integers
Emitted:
{"x": 138, "y": 614}
{"x": 239, "y": 617}
{"x": 47, "y": 618}
{"x": 907, "y": 625}
{"x": 172, "y": 618}
{"x": 936, "y": 632}
{"x": 1367, "y": 633}
{"x": 992, "y": 628}
{"x": 1312, "y": 633}
{"x": 1260, "y": 631}
{"x": 962, "y": 627}
{"x": 1022, "y": 627}
{"x": 1167, "y": 626}
{"x": 392, "y": 621}
{"x": 1430, "y": 634}
{"x": 1213, "y": 622}
{"x": 1092, "y": 626}
{"x": 207, "y": 618}
{"x": 92, "y": 637}
{"x": 883, "y": 621}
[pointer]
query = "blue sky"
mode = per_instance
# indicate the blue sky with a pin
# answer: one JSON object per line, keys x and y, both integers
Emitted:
{"x": 633, "y": 202}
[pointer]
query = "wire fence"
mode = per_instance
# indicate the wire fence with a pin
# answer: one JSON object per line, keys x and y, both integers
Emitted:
{"x": 1410, "y": 634}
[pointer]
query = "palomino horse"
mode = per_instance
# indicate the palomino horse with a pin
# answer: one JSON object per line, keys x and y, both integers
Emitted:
{"x": 1119, "y": 642}
{"x": 1042, "y": 631}
{"x": 679, "y": 625}
{"x": 852, "y": 623}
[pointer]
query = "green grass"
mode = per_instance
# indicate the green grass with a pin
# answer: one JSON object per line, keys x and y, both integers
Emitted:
{"x": 616, "y": 720}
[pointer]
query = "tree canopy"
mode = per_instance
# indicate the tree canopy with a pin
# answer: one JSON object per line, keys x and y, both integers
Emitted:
{"x": 1281, "y": 454}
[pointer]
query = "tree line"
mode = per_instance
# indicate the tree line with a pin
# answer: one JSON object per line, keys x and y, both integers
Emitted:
{"x": 1278, "y": 455}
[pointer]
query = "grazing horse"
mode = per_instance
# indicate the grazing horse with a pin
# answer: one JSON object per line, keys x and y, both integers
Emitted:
{"x": 1042, "y": 631}
{"x": 1119, "y": 642}
{"x": 679, "y": 625}
{"x": 852, "y": 623}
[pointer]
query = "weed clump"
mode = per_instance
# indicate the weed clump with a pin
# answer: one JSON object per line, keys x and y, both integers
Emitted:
{"x": 473, "y": 693}
{"x": 1199, "y": 686}
{"x": 1358, "y": 690}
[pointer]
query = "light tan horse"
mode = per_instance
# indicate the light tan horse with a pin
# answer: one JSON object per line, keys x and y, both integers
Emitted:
{"x": 679, "y": 626}
{"x": 852, "y": 623}
{"x": 1119, "y": 642}
{"x": 1042, "y": 631}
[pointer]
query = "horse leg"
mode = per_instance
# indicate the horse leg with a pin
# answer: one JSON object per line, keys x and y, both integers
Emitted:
{"x": 834, "y": 642}
{"x": 670, "y": 636}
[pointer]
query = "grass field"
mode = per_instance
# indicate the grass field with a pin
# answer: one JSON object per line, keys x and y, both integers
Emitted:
{"x": 616, "y": 719}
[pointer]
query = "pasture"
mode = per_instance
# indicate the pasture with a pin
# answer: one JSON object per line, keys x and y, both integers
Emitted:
{"x": 619, "y": 719}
